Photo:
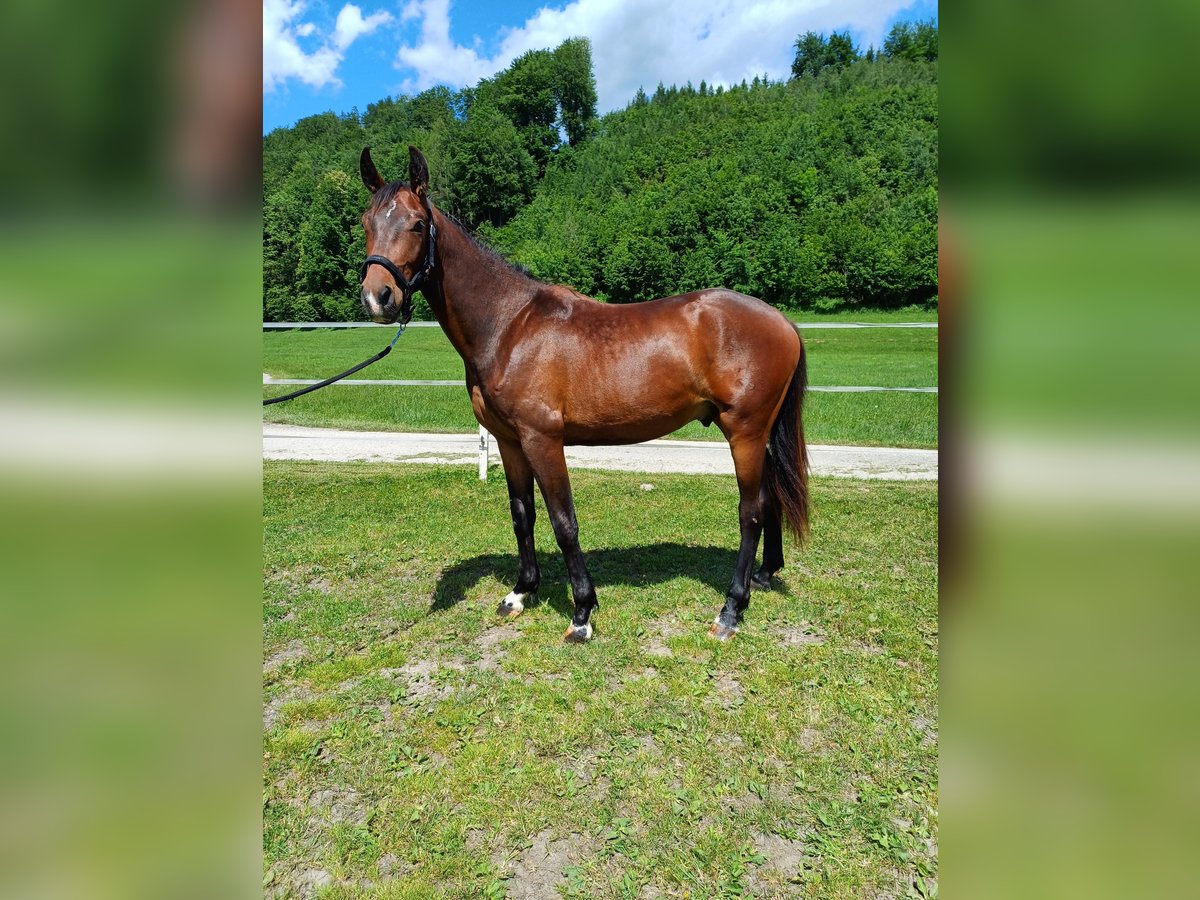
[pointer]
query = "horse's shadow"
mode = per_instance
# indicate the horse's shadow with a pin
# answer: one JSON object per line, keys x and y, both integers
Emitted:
{"x": 635, "y": 566}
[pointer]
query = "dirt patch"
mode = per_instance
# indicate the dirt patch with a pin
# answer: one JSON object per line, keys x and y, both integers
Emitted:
{"x": 784, "y": 861}
{"x": 743, "y": 802}
{"x": 809, "y": 738}
{"x": 927, "y": 728}
{"x": 343, "y": 806}
{"x": 274, "y": 708}
{"x": 491, "y": 648}
{"x": 538, "y": 871}
{"x": 420, "y": 679}
{"x": 552, "y": 677}
{"x": 494, "y": 637}
{"x": 293, "y": 651}
{"x": 658, "y": 632}
{"x": 727, "y": 691}
{"x": 476, "y": 838}
{"x": 391, "y": 866}
{"x": 922, "y": 834}
{"x": 804, "y": 634}
{"x": 302, "y": 578}
{"x": 648, "y": 744}
{"x": 727, "y": 742}
{"x": 582, "y": 766}
{"x": 310, "y": 882}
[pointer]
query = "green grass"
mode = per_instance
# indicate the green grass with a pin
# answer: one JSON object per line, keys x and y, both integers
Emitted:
{"x": 881, "y": 357}
{"x": 669, "y": 764}
{"x": 908, "y": 314}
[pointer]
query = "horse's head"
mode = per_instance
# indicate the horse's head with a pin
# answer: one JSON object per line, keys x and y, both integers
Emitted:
{"x": 401, "y": 239}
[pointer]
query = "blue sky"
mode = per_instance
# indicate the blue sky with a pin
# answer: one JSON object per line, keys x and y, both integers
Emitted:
{"x": 320, "y": 55}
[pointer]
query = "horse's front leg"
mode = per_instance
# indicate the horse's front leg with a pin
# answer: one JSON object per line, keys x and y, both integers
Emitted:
{"x": 545, "y": 455}
{"x": 519, "y": 476}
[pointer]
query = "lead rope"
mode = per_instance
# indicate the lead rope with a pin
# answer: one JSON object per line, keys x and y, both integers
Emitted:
{"x": 308, "y": 389}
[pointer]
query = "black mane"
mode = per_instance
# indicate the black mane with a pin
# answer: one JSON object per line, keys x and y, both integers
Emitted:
{"x": 490, "y": 252}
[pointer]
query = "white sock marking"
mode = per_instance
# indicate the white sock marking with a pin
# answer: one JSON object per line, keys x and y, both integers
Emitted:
{"x": 515, "y": 601}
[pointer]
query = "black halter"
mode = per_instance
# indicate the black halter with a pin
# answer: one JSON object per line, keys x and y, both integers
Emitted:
{"x": 406, "y": 286}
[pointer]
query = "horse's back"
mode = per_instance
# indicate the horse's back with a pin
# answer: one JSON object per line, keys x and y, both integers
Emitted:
{"x": 694, "y": 337}
{"x": 710, "y": 309}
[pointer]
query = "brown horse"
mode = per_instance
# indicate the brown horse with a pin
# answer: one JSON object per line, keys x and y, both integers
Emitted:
{"x": 547, "y": 367}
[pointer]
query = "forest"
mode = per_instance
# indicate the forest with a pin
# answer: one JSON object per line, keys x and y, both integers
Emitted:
{"x": 818, "y": 193}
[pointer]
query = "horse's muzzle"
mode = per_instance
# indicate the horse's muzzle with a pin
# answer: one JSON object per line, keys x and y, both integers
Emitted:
{"x": 383, "y": 310}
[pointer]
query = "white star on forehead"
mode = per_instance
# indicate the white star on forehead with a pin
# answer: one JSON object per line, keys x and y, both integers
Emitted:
{"x": 390, "y": 208}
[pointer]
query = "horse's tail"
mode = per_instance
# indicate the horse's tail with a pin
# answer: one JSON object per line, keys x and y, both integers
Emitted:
{"x": 786, "y": 471}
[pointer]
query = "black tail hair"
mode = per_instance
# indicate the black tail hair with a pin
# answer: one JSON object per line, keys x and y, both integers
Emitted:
{"x": 786, "y": 471}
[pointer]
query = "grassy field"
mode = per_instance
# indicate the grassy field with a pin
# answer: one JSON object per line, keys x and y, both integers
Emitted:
{"x": 416, "y": 747}
{"x": 880, "y": 357}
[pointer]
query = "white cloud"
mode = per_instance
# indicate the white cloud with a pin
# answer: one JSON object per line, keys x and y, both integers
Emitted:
{"x": 642, "y": 42}
{"x": 411, "y": 10}
{"x": 284, "y": 58}
{"x": 351, "y": 25}
{"x": 436, "y": 58}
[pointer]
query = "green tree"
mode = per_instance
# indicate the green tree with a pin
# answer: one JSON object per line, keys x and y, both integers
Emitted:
{"x": 815, "y": 53}
{"x": 812, "y": 52}
{"x": 328, "y": 248}
{"x": 524, "y": 94}
{"x": 913, "y": 41}
{"x": 493, "y": 172}
{"x": 575, "y": 88}
{"x": 842, "y": 50}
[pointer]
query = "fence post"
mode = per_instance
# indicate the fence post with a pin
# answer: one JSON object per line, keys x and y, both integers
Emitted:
{"x": 483, "y": 453}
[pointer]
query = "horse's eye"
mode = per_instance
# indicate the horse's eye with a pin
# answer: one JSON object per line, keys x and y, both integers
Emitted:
{"x": 420, "y": 226}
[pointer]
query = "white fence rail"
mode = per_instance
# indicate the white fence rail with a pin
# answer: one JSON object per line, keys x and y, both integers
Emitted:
{"x": 485, "y": 438}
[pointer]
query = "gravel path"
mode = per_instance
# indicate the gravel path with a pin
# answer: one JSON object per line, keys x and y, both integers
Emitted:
{"x": 296, "y": 442}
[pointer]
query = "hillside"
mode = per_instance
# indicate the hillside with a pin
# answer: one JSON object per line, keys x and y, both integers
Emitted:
{"x": 815, "y": 193}
{"x": 819, "y": 193}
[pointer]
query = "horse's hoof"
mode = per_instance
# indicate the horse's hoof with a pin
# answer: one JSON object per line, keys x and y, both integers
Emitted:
{"x": 512, "y": 605}
{"x": 578, "y": 634}
{"x": 762, "y": 579}
{"x": 722, "y": 632}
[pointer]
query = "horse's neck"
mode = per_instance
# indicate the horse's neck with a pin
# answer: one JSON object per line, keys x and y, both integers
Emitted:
{"x": 476, "y": 297}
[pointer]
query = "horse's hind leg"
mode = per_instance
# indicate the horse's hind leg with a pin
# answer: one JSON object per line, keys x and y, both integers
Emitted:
{"x": 519, "y": 476}
{"x": 772, "y": 560}
{"x": 748, "y": 458}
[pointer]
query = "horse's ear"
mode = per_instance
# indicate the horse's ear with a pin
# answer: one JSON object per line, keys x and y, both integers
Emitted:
{"x": 370, "y": 175}
{"x": 418, "y": 172}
